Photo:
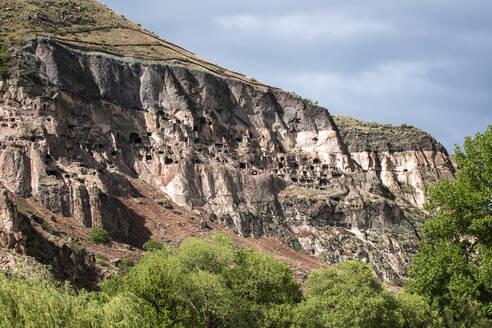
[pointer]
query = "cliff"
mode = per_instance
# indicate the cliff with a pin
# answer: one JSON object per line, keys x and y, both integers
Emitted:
{"x": 93, "y": 137}
{"x": 406, "y": 159}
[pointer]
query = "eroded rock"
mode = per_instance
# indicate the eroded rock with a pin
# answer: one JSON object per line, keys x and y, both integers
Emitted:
{"x": 262, "y": 161}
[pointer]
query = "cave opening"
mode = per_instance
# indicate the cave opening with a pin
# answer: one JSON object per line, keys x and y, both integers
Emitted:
{"x": 135, "y": 138}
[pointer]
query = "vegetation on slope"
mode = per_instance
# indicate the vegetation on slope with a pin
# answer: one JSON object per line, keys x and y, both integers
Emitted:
{"x": 361, "y": 135}
{"x": 4, "y": 60}
{"x": 90, "y": 25}
{"x": 212, "y": 283}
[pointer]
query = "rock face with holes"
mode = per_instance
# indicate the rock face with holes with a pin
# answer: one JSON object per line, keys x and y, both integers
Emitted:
{"x": 263, "y": 161}
{"x": 406, "y": 159}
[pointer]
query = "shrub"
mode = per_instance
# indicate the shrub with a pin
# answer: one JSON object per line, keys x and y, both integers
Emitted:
{"x": 99, "y": 236}
{"x": 102, "y": 260}
{"x": 126, "y": 265}
{"x": 308, "y": 101}
{"x": 211, "y": 283}
{"x": 152, "y": 245}
{"x": 38, "y": 302}
{"x": 346, "y": 296}
{"x": 4, "y": 60}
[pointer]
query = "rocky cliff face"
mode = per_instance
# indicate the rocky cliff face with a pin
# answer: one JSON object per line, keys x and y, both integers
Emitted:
{"x": 81, "y": 126}
{"x": 406, "y": 159}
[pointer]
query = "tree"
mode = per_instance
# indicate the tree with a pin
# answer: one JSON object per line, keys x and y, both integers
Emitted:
{"x": 453, "y": 268}
{"x": 39, "y": 302}
{"x": 99, "y": 236}
{"x": 211, "y": 283}
{"x": 346, "y": 296}
{"x": 349, "y": 295}
{"x": 152, "y": 245}
{"x": 264, "y": 290}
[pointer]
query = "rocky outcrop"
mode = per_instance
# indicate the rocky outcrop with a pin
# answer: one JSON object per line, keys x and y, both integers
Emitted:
{"x": 29, "y": 245}
{"x": 11, "y": 236}
{"x": 263, "y": 161}
{"x": 406, "y": 160}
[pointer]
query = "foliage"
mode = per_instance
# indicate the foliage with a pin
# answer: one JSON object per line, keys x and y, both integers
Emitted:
{"x": 102, "y": 259}
{"x": 39, "y": 303}
{"x": 350, "y": 296}
{"x": 310, "y": 102}
{"x": 453, "y": 268}
{"x": 112, "y": 286}
{"x": 346, "y": 296}
{"x": 24, "y": 210}
{"x": 261, "y": 287}
{"x": 126, "y": 265}
{"x": 414, "y": 311}
{"x": 152, "y": 245}
{"x": 209, "y": 282}
{"x": 99, "y": 236}
{"x": 4, "y": 60}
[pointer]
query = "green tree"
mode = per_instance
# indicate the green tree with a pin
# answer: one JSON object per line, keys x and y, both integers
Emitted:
{"x": 263, "y": 289}
{"x": 99, "y": 236}
{"x": 347, "y": 296}
{"x": 414, "y": 311}
{"x": 453, "y": 268}
{"x": 38, "y": 303}
{"x": 4, "y": 60}
{"x": 184, "y": 285}
{"x": 211, "y": 283}
{"x": 152, "y": 245}
{"x": 126, "y": 265}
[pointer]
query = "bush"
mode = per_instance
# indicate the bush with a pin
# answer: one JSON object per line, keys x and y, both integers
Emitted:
{"x": 211, "y": 283}
{"x": 126, "y": 265}
{"x": 152, "y": 245}
{"x": 346, "y": 296}
{"x": 308, "y": 101}
{"x": 40, "y": 303}
{"x": 4, "y": 60}
{"x": 99, "y": 236}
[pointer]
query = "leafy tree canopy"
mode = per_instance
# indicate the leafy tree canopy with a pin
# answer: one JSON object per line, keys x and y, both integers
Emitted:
{"x": 453, "y": 268}
{"x": 349, "y": 295}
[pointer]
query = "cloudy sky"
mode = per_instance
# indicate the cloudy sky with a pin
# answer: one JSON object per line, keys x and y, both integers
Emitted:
{"x": 427, "y": 63}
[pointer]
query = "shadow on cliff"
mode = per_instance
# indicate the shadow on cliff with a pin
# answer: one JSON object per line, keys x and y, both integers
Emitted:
{"x": 124, "y": 224}
{"x": 68, "y": 262}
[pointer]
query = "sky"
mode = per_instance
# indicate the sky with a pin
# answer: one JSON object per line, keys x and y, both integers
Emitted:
{"x": 426, "y": 63}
